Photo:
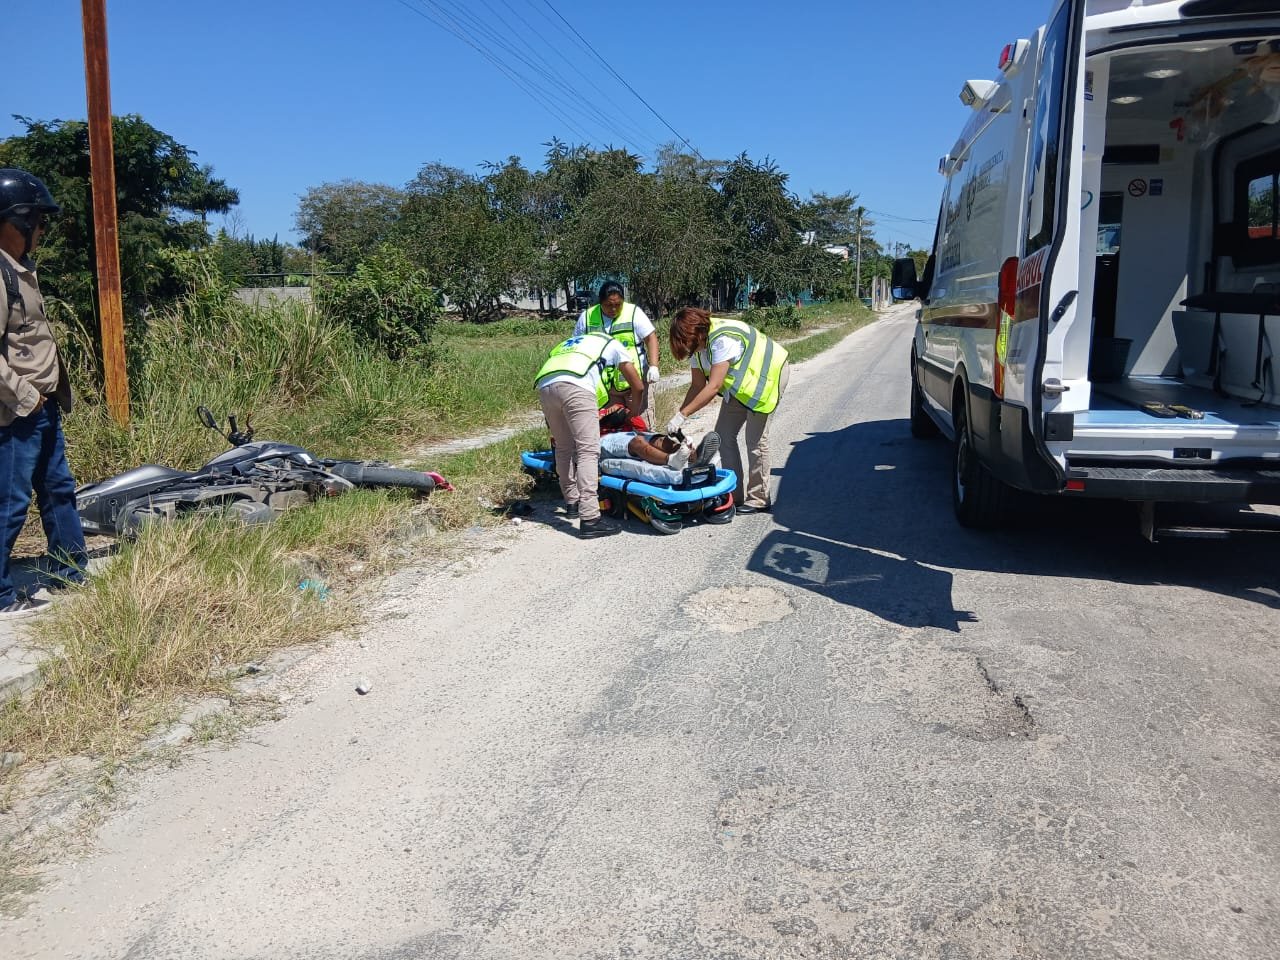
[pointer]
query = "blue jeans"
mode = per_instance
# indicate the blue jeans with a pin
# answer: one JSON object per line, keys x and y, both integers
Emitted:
{"x": 33, "y": 456}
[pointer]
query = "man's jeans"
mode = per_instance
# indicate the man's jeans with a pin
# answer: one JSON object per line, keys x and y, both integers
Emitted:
{"x": 33, "y": 456}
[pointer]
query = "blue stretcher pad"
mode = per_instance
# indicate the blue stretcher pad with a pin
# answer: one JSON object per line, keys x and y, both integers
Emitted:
{"x": 725, "y": 482}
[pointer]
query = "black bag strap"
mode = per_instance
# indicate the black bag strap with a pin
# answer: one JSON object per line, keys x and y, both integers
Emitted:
{"x": 11, "y": 283}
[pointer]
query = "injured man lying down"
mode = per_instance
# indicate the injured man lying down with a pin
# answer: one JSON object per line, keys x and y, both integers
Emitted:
{"x": 653, "y": 457}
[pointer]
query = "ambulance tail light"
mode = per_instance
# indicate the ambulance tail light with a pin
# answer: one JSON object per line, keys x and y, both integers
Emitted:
{"x": 1006, "y": 303}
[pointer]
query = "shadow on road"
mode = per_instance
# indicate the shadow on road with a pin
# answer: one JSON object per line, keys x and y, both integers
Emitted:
{"x": 867, "y": 521}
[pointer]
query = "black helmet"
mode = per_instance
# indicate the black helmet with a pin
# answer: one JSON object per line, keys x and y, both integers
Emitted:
{"x": 22, "y": 197}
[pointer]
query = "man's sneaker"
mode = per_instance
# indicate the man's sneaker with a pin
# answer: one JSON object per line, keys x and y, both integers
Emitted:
{"x": 707, "y": 449}
{"x": 600, "y": 527}
{"x": 23, "y": 607}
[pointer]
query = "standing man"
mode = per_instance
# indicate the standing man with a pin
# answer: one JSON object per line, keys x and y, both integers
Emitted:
{"x": 628, "y": 323}
{"x": 34, "y": 394}
{"x": 571, "y": 390}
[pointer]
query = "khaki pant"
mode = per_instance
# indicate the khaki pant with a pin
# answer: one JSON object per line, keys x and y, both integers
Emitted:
{"x": 572, "y": 415}
{"x": 733, "y": 417}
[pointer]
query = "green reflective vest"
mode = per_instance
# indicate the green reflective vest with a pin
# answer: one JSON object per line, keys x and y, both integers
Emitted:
{"x": 577, "y": 356}
{"x": 753, "y": 378}
{"x": 623, "y": 329}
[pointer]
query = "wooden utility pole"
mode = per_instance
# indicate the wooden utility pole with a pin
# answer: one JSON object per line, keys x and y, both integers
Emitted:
{"x": 858, "y": 282}
{"x": 102, "y": 173}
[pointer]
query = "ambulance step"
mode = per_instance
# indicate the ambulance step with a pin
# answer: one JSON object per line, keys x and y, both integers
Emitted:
{"x": 1176, "y": 484}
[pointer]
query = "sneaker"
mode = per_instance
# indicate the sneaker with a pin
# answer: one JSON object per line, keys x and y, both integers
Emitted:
{"x": 707, "y": 449}
{"x": 23, "y": 607}
{"x": 755, "y": 508}
{"x": 601, "y": 527}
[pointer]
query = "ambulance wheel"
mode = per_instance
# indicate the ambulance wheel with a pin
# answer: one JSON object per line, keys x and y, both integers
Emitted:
{"x": 977, "y": 496}
{"x": 922, "y": 425}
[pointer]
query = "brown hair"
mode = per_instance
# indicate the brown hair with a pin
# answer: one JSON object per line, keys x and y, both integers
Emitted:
{"x": 689, "y": 330}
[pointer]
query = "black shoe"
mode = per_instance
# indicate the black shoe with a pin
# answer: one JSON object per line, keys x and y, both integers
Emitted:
{"x": 752, "y": 508}
{"x": 600, "y": 527}
{"x": 571, "y": 511}
{"x": 707, "y": 449}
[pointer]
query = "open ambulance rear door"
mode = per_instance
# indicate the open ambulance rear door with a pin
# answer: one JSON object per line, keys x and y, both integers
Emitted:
{"x": 1040, "y": 288}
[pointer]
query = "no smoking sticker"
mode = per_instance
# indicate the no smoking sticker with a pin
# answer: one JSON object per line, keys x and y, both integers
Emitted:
{"x": 1137, "y": 187}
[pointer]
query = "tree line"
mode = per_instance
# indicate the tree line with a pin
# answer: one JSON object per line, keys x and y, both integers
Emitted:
{"x": 687, "y": 230}
{"x": 684, "y": 230}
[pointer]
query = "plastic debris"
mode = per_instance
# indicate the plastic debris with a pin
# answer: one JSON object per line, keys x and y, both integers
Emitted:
{"x": 316, "y": 587}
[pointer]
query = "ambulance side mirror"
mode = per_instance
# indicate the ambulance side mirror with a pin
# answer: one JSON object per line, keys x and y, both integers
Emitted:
{"x": 905, "y": 284}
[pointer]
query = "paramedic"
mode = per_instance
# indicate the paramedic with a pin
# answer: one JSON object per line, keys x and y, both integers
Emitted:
{"x": 749, "y": 369}
{"x": 34, "y": 394}
{"x": 628, "y": 323}
{"x": 571, "y": 390}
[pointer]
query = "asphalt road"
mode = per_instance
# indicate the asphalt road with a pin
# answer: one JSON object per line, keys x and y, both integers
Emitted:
{"x": 849, "y": 729}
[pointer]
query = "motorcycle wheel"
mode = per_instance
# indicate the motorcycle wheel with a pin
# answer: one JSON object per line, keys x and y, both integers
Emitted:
{"x": 364, "y": 474}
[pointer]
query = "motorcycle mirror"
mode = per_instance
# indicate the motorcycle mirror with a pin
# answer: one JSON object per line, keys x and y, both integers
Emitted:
{"x": 206, "y": 417}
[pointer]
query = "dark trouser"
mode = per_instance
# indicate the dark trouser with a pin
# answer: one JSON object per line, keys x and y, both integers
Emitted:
{"x": 33, "y": 456}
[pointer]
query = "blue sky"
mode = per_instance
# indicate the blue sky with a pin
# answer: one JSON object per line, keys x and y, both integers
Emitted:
{"x": 282, "y": 95}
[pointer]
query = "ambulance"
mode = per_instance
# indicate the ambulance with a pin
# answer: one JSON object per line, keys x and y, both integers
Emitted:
{"x": 1101, "y": 308}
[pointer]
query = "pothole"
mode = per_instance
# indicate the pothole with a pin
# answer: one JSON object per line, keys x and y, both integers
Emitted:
{"x": 737, "y": 609}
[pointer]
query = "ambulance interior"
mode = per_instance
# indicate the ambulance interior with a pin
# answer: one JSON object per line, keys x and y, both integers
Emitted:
{"x": 1180, "y": 250}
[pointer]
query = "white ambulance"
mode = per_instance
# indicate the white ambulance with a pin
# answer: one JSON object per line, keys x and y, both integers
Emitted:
{"x": 1101, "y": 308}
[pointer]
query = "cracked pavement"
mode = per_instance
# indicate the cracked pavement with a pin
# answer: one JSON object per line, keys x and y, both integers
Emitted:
{"x": 848, "y": 729}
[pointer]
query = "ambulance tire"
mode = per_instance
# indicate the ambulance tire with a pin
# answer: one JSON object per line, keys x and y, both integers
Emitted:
{"x": 922, "y": 425}
{"x": 978, "y": 497}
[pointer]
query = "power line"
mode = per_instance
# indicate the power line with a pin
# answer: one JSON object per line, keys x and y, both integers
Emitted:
{"x": 540, "y": 80}
{"x": 573, "y": 63}
{"x": 891, "y": 216}
{"x": 609, "y": 67}
{"x": 568, "y": 96}
{"x": 533, "y": 93}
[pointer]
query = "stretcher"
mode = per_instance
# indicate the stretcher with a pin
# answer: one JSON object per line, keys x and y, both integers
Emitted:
{"x": 703, "y": 493}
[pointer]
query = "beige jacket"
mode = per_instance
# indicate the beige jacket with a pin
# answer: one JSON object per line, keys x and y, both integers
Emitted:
{"x": 29, "y": 364}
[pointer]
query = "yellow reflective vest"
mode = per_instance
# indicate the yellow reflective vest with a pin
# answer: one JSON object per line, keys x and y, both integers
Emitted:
{"x": 577, "y": 356}
{"x": 753, "y": 378}
{"x": 623, "y": 329}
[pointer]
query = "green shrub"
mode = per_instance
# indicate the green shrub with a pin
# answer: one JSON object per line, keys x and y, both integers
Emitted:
{"x": 387, "y": 301}
{"x": 784, "y": 317}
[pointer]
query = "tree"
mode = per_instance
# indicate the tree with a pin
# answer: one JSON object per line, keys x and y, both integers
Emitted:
{"x": 833, "y": 218}
{"x": 163, "y": 199}
{"x": 346, "y": 221}
{"x": 764, "y": 225}
{"x": 474, "y": 236}
{"x": 240, "y": 258}
{"x": 571, "y": 175}
{"x": 655, "y": 231}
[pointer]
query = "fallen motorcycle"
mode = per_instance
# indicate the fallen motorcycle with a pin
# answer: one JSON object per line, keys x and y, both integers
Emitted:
{"x": 253, "y": 482}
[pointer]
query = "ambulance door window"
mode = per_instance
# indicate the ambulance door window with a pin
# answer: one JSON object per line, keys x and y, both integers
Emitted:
{"x": 1047, "y": 133}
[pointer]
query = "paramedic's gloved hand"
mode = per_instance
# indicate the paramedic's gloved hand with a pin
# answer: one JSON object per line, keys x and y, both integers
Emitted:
{"x": 680, "y": 459}
{"x": 676, "y": 422}
{"x": 653, "y": 375}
